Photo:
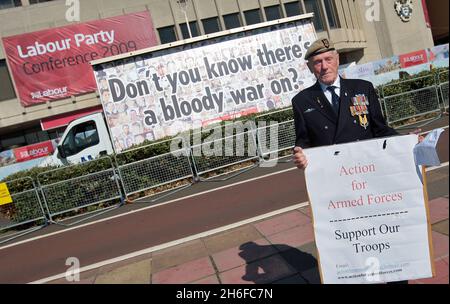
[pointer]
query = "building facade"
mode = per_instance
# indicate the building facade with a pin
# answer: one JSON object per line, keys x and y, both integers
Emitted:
{"x": 362, "y": 31}
{"x": 438, "y": 18}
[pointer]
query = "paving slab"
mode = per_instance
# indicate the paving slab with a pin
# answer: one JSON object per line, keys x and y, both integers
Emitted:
{"x": 185, "y": 273}
{"x": 135, "y": 273}
{"x": 294, "y": 237}
{"x": 178, "y": 254}
{"x": 282, "y": 222}
{"x": 438, "y": 210}
{"x": 245, "y": 253}
{"x": 440, "y": 244}
{"x": 262, "y": 271}
{"x": 232, "y": 238}
{"x": 441, "y": 227}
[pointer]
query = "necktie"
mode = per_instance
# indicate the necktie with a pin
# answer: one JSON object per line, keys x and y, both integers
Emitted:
{"x": 334, "y": 99}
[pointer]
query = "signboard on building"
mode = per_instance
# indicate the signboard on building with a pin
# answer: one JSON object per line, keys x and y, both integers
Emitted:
{"x": 53, "y": 64}
{"x": 33, "y": 151}
{"x": 7, "y": 157}
{"x": 5, "y": 197}
{"x": 371, "y": 223}
{"x": 413, "y": 58}
{"x": 167, "y": 91}
{"x": 439, "y": 56}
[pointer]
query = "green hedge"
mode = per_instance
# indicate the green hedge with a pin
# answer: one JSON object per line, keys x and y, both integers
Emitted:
{"x": 414, "y": 82}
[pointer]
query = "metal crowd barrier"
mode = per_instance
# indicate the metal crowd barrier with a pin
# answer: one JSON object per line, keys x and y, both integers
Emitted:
{"x": 416, "y": 83}
{"x": 273, "y": 115}
{"x": 25, "y": 208}
{"x": 275, "y": 138}
{"x": 409, "y": 105}
{"x": 442, "y": 83}
{"x": 70, "y": 188}
{"x": 217, "y": 154}
{"x": 443, "y": 88}
{"x": 156, "y": 171}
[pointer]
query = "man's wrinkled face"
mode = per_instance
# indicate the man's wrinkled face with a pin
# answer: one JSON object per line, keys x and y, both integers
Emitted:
{"x": 325, "y": 67}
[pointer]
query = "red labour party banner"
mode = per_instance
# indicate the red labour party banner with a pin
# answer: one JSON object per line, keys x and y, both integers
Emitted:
{"x": 33, "y": 151}
{"x": 414, "y": 58}
{"x": 54, "y": 64}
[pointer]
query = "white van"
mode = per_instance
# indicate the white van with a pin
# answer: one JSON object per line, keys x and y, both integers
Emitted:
{"x": 84, "y": 139}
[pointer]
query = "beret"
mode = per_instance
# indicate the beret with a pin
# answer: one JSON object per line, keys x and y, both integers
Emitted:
{"x": 318, "y": 47}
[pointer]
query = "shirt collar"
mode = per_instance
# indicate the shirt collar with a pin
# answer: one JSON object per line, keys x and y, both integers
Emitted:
{"x": 336, "y": 83}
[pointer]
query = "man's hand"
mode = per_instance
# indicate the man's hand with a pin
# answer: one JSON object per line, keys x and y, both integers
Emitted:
{"x": 299, "y": 158}
{"x": 417, "y": 132}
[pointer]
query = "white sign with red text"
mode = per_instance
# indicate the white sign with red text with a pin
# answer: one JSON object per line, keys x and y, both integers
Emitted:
{"x": 370, "y": 219}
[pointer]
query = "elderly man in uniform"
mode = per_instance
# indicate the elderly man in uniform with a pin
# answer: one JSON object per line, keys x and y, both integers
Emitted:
{"x": 334, "y": 110}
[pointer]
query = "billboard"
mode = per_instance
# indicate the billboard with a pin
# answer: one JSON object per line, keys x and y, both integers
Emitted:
{"x": 413, "y": 58}
{"x": 385, "y": 70}
{"x": 53, "y": 64}
{"x": 164, "y": 92}
{"x": 439, "y": 56}
{"x": 34, "y": 151}
{"x": 7, "y": 157}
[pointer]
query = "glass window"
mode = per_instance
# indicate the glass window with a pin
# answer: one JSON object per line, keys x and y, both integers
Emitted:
{"x": 272, "y": 12}
{"x": 56, "y": 133}
{"x": 35, "y": 135}
{"x": 167, "y": 34}
{"x": 293, "y": 9}
{"x": 39, "y": 1}
{"x": 252, "y": 16}
{"x": 25, "y": 137}
{"x": 331, "y": 13}
{"x": 81, "y": 137}
{"x": 43, "y": 136}
{"x": 13, "y": 141}
{"x": 6, "y": 86}
{"x": 9, "y": 3}
{"x": 232, "y": 21}
{"x": 31, "y": 138}
{"x": 194, "y": 29}
{"x": 312, "y": 6}
{"x": 211, "y": 25}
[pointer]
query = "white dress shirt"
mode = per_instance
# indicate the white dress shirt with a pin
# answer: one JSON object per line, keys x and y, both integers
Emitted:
{"x": 337, "y": 90}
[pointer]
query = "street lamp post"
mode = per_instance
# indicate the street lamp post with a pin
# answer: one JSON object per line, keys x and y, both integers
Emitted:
{"x": 183, "y": 7}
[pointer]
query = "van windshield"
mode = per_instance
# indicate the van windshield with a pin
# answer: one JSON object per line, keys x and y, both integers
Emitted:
{"x": 81, "y": 137}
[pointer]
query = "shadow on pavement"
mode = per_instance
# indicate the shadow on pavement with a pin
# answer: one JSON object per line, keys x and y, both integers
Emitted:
{"x": 289, "y": 266}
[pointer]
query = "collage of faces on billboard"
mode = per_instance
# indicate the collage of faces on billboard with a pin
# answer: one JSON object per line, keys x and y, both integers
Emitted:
{"x": 168, "y": 91}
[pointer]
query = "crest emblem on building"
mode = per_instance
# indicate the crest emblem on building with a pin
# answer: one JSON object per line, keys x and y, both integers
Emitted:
{"x": 404, "y": 9}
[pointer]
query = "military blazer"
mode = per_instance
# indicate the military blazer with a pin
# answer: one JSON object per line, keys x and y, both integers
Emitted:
{"x": 316, "y": 123}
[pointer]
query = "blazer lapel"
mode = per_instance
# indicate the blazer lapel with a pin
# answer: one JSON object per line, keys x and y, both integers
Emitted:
{"x": 320, "y": 102}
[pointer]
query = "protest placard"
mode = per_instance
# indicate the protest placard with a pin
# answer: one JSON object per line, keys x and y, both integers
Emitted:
{"x": 369, "y": 212}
